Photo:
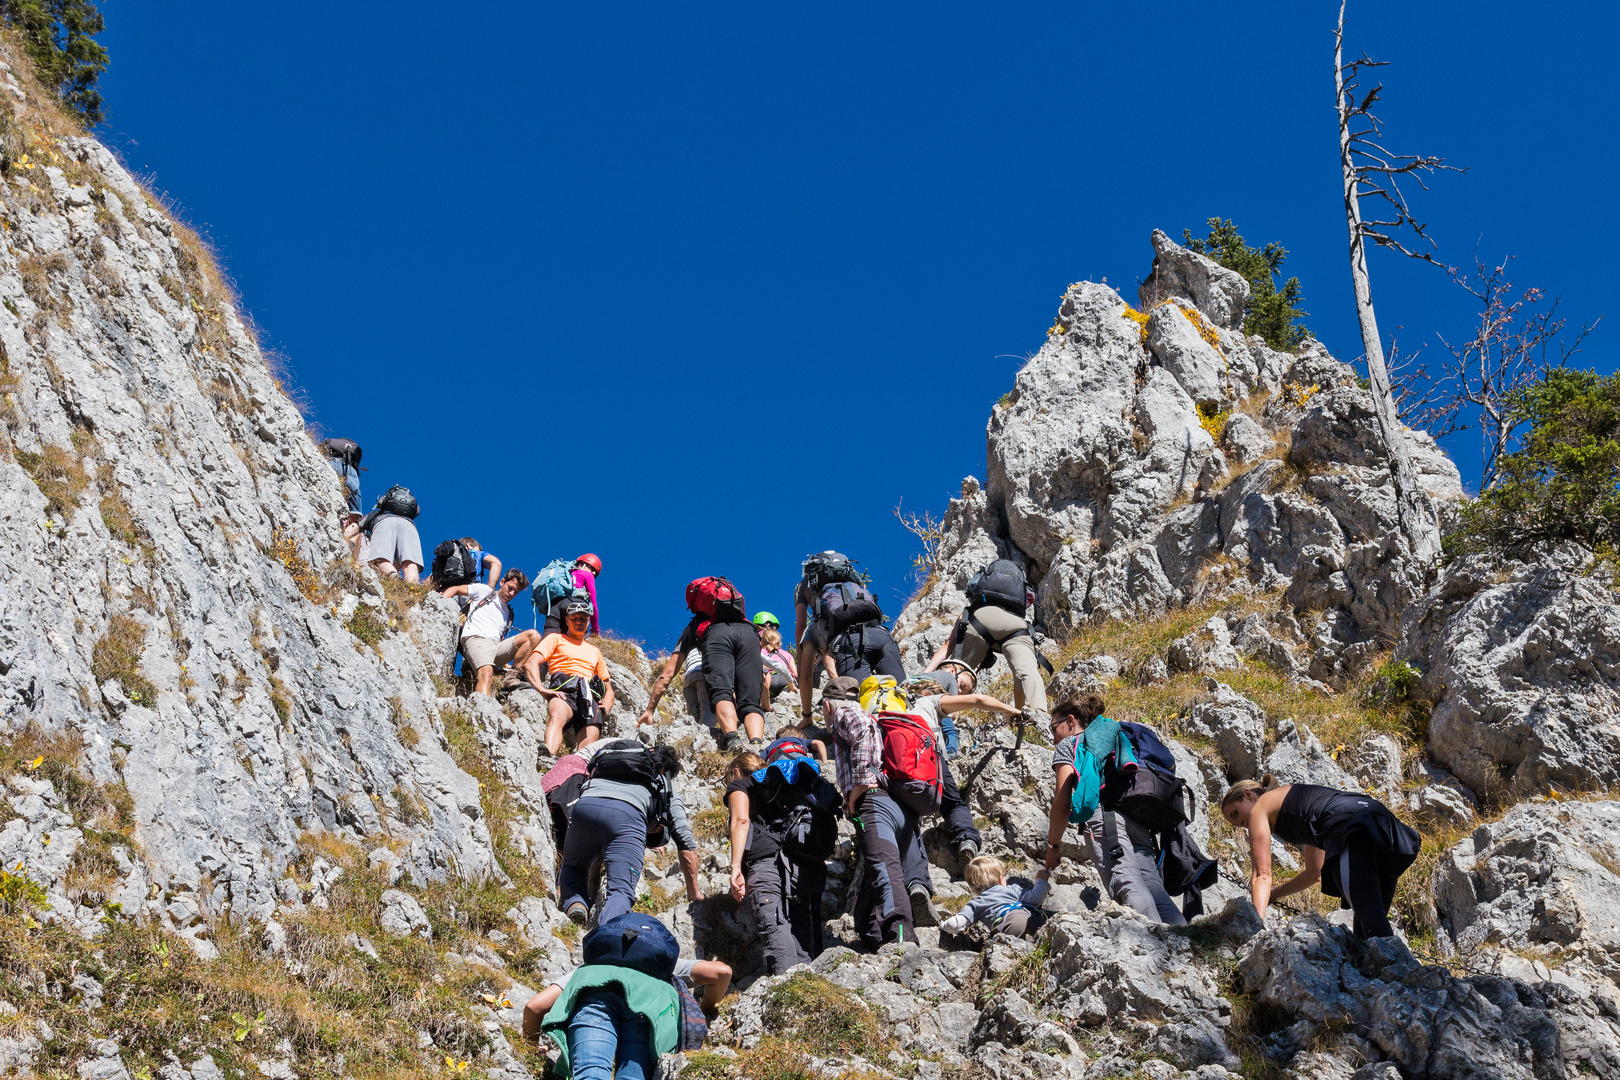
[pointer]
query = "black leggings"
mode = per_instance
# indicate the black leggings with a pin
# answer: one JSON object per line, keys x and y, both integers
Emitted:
{"x": 1364, "y": 885}
{"x": 732, "y": 666}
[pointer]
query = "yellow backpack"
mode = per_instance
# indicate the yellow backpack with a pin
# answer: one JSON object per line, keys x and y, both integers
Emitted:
{"x": 880, "y": 693}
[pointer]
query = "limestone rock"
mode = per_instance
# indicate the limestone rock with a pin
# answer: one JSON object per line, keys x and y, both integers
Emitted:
{"x": 1176, "y": 341}
{"x": 1179, "y": 272}
{"x": 402, "y": 916}
{"x": 1525, "y": 674}
{"x": 1300, "y": 759}
{"x": 1439, "y": 804}
{"x": 1244, "y": 440}
{"x": 1376, "y": 762}
{"x": 1207, "y": 649}
{"x": 1236, "y": 725}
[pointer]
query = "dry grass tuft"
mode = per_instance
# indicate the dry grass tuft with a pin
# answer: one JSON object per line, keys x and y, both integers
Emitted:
{"x": 285, "y": 550}
{"x": 118, "y": 656}
{"x": 59, "y": 475}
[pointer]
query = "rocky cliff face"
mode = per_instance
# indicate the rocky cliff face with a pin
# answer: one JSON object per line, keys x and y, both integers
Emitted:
{"x": 247, "y": 829}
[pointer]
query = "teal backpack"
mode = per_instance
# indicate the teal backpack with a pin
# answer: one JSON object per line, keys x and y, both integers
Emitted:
{"x": 553, "y": 584}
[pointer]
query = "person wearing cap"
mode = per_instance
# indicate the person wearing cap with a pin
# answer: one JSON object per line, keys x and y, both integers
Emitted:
{"x": 779, "y": 663}
{"x": 577, "y": 686}
{"x": 587, "y": 568}
{"x": 890, "y": 833}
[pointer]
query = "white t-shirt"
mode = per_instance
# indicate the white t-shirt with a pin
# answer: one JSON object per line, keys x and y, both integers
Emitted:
{"x": 485, "y": 619}
{"x": 928, "y": 709}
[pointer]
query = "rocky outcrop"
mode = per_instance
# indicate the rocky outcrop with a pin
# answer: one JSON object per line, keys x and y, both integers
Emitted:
{"x": 1135, "y": 467}
{"x": 1523, "y": 666}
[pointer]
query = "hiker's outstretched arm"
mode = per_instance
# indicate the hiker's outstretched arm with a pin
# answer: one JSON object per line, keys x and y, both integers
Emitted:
{"x": 1310, "y": 875}
{"x": 939, "y": 655}
{"x": 661, "y": 684}
{"x": 455, "y": 590}
{"x": 950, "y": 703}
{"x": 494, "y": 565}
{"x": 1057, "y": 819}
{"x": 737, "y": 802}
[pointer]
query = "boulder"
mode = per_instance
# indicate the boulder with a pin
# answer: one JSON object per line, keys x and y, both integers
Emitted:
{"x": 1176, "y": 338}
{"x": 1237, "y": 727}
{"x": 1298, "y": 758}
{"x": 1525, "y": 676}
{"x": 1544, "y": 880}
{"x": 1244, "y": 440}
{"x": 1376, "y": 762}
{"x": 1207, "y": 649}
{"x": 400, "y": 915}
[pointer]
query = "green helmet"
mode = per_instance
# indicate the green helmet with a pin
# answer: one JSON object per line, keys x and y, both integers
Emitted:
{"x": 765, "y": 618}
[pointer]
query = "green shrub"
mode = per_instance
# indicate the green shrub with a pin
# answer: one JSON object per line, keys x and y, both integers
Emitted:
{"x": 1561, "y": 483}
{"x": 60, "y": 38}
{"x": 1271, "y": 312}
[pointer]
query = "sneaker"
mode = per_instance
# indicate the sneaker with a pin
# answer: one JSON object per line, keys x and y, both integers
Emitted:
{"x": 922, "y": 907}
{"x": 578, "y": 912}
{"x": 967, "y": 850}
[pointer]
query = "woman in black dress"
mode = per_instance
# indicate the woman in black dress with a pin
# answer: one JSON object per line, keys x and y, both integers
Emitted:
{"x": 1350, "y": 842}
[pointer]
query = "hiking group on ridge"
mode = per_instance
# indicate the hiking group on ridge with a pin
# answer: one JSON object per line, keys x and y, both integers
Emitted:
{"x": 873, "y": 744}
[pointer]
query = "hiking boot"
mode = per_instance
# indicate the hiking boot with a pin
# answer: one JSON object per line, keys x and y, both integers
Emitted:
{"x": 922, "y": 907}
{"x": 967, "y": 850}
{"x": 578, "y": 912}
{"x": 731, "y": 742}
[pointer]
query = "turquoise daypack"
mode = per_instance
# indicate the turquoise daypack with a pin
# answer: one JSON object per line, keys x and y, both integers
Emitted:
{"x": 1104, "y": 737}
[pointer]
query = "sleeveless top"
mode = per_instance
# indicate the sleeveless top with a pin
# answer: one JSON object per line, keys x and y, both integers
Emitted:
{"x": 1327, "y": 818}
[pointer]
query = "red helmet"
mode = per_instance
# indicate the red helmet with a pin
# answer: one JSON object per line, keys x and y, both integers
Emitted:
{"x": 591, "y": 561}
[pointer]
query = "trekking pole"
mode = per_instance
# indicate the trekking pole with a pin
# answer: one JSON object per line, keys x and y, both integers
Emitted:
{"x": 1019, "y": 741}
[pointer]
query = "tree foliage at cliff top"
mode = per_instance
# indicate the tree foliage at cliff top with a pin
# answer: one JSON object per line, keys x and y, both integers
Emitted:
{"x": 1271, "y": 312}
{"x": 1561, "y": 483}
{"x": 60, "y": 36}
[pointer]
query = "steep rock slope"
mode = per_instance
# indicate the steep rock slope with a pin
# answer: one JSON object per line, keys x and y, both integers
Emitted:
{"x": 174, "y": 589}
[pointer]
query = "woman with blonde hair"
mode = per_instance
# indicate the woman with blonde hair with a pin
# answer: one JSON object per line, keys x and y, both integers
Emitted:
{"x": 1348, "y": 841}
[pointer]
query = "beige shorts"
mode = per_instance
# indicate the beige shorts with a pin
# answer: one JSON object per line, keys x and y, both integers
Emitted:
{"x": 481, "y": 652}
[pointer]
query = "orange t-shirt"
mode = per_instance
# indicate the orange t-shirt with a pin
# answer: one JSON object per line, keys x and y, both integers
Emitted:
{"x": 563, "y": 657}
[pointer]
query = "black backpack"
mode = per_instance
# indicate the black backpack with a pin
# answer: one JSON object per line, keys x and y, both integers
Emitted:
{"x": 1152, "y": 794}
{"x": 344, "y": 450}
{"x": 629, "y": 762}
{"x": 847, "y": 605}
{"x": 826, "y": 568}
{"x": 800, "y": 815}
{"x": 453, "y": 564}
{"x": 1002, "y": 585}
{"x": 398, "y": 500}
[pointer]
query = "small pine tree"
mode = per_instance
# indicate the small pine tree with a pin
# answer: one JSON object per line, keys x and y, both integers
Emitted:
{"x": 1271, "y": 311}
{"x": 1563, "y": 482}
{"x": 60, "y": 38}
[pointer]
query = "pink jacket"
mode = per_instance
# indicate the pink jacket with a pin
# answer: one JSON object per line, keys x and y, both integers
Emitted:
{"x": 584, "y": 579}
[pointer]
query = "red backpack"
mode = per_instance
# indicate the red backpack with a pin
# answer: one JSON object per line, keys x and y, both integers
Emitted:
{"x": 716, "y": 599}
{"x": 911, "y": 762}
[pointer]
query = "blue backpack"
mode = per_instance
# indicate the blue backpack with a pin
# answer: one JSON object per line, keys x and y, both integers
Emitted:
{"x": 553, "y": 584}
{"x": 634, "y": 940}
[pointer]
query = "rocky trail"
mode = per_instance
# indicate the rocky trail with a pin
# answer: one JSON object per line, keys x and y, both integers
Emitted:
{"x": 249, "y": 828}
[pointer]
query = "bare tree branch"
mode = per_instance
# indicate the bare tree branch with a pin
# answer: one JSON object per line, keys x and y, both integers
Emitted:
{"x": 931, "y": 531}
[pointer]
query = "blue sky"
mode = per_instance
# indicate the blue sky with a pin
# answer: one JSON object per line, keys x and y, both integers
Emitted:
{"x": 705, "y": 289}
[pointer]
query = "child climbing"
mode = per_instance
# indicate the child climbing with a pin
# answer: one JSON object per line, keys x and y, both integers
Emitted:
{"x": 1006, "y": 909}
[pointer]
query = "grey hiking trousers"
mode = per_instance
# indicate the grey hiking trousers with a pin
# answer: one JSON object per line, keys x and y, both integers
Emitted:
{"x": 1132, "y": 879}
{"x": 785, "y": 898}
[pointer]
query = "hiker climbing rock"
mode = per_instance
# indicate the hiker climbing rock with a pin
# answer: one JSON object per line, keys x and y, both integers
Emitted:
{"x": 731, "y": 663}
{"x": 560, "y": 581}
{"x": 392, "y": 546}
{"x": 781, "y": 669}
{"x": 839, "y": 624}
{"x": 783, "y": 828}
{"x": 994, "y": 622}
{"x": 1348, "y": 841}
{"x": 577, "y": 687}
{"x": 484, "y": 643}
{"x": 695, "y": 691}
{"x": 1006, "y": 909}
{"x": 625, "y": 1007}
{"x": 628, "y": 803}
{"x": 887, "y": 830}
{"x": 344, "y": 457}
{"x": 935, "y": 707}
{"x": 1118, "y": 782}
{"x": 462, "y": 562}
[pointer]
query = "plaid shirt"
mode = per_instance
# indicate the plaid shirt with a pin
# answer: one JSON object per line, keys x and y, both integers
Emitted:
{"x": 858, "y": 745}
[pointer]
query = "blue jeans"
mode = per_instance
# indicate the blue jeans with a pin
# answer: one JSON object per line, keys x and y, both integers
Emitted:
{"x": 617, "y": 832}
{"x": 604, "y": 1033}
{"x": 947, "y": 728}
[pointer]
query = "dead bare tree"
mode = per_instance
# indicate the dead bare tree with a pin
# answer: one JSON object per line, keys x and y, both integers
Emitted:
{"x": 1373, "y": 172}
{"x": 1515, "y": 342}
{"x": 931, "y": 531}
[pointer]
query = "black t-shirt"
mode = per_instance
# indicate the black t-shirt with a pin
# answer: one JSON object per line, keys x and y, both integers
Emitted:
{"x": 761, "y": 845}
{"x": 689, "y": 637}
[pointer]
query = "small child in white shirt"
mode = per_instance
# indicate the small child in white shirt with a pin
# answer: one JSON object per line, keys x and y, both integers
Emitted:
{"x": 1008, "y": 909}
